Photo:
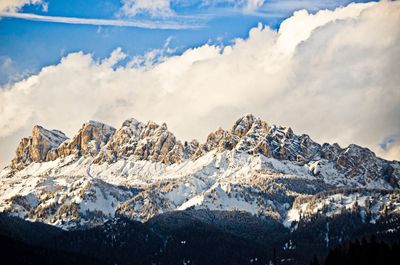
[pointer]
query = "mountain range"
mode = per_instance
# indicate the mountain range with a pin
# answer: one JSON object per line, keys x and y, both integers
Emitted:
{"x": 253, "y": 194}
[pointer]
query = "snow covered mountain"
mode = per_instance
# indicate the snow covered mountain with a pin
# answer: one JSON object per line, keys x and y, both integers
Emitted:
{"x": 142, "y": 170}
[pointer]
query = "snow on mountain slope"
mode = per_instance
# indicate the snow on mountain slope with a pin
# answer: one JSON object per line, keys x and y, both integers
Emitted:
{"x": 371, "y": 204}
{"x": 142, "y": 170}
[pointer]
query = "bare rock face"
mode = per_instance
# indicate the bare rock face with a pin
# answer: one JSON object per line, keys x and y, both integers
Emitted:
{"x": 189, "y": 148}
{"x": 123, "y": 143}
{"x": 255, "y": 131}
{"x": 243, "y": 125}
{"x": 355, "y": 161}
{"x": 155, "y": 143}
{"x": 220, "y": 140}
{"x": 285, "y": 145}
{"x": 37, "y": 147}
{"x": 330, "y": 152}
{"x": 88, "y": 142}
{"x": 247, "y": 135}
{"x": 142, "y": 141}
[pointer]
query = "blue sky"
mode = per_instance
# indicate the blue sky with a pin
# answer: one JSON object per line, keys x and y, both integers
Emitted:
{"x": 27, "y": 45}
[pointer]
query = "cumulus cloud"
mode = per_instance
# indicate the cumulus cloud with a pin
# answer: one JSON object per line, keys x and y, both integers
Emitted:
{"x": 15, "y": 5}
{"x": 333, "y": 75}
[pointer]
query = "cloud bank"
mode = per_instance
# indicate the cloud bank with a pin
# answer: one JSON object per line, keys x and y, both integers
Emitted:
{"x": 333, "y": 75}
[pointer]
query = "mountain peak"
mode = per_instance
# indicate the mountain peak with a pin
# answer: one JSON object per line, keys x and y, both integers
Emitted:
{"x": 243, "y": 124}
{"x": 143, "y": 141}
{"x": 36, "y": 147}
{"x": 130, "y": 122}
{"x": 88, "y": 141}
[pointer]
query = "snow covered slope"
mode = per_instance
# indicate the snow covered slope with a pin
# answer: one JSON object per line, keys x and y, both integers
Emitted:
{"x": 142, "y": 170}
{"x": 370, "y": 204}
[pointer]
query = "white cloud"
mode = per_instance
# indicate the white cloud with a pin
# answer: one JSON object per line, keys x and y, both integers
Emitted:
{"x": 393, "y": 151}
{"x": 162, "y": 8}
{"x": 116, "y": 56}
{"x": 15, "y": 5}
{"x": 390, "y": 147}
{"x": 254, "y": 4}
{"x": 335, "y": 79}
{"x": 45, "y": 7}
{"x": 292, "y": 5}
{"x": 154, "y": 8}
{"x": 270, "y": 8}
{"x": 152, "y": 57}
{"x": 102, "y": 22}
{"x": 9, "y": 73}
{"x": 299, "y": 27}
{"x": 248, "y": 5}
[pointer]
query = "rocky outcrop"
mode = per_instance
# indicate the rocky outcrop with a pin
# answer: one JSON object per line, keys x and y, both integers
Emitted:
{"x": 243, "y": 125}
{"x": 142, "y": 141}
{"x": 45, "y": 145}
{"x": 356, "y": 161}
{"x": 220, "y": 140}
{"x": 247, "y": 135}
{"x": 285, "y": 145}
{"x": 88, "y": 142}
{"x": 253, "y": 132}
{"x": 330, "y": 152}
{"x": 156, "y": 143}
{"x": 253, "y": 135}
{"x": 36, "y": 147}
{"x": 124, "y": 141}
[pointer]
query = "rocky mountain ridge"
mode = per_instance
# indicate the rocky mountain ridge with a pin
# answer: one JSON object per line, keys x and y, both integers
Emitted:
{"x": 142, "y": 170}
{"x": 153, "y": 142}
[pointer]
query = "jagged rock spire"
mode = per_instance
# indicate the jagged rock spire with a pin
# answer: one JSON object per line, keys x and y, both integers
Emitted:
{"x": 144, "y": 141}
{"x": 243, "y": 125}
{"x": 88, "y": 141}
{"x": 36, "y": 147}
